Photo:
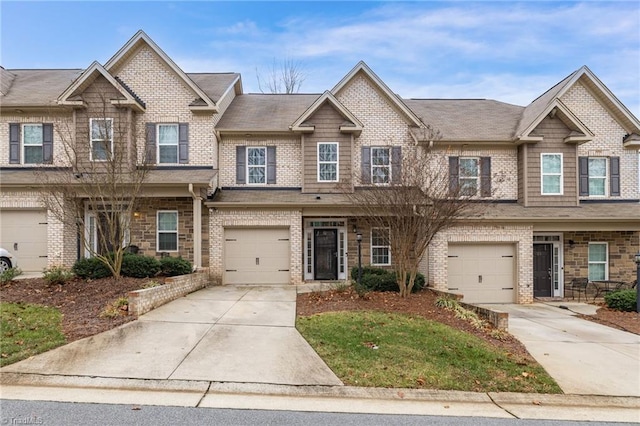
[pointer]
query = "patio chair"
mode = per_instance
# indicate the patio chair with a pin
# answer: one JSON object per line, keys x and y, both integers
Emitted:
{"x": 579, "y": 285}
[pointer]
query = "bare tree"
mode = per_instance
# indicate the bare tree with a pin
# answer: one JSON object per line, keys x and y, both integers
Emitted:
{"x": 285, "y": 77}
{"x": 97, "y": 184}
{"x": 415, "y": 204}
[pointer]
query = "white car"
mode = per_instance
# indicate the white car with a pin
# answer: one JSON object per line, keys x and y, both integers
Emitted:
{"x": 7, "y": 261}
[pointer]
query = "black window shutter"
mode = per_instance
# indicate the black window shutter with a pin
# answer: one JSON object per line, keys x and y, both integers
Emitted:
{"x": 150, "y": 147}
{"x": 454, "y": 172}
{"x": 14, "y": 143}
{"x": 485, "y": 176}
{"x": 47, "y": 143}
{"x": 396, "y": 164}
{"x": 614, "y": 167}
{"x": 583, "y": 173}
{"x": 183, "y": 143}
{"x": 271, "y": 165}
{"x": 241, "y": 159}
{"x": 366, "y": 165}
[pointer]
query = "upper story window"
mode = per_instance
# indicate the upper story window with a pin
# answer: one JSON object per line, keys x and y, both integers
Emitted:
{"x": 257, "y": 165}
{"x": 328, "y": 162}
{"x": 101, "y": 139}
{"x": 30, "y": 143}
{"x": 551, "y": 174}
{"x": 380, "y": 246}
{"x": 380, "y": 165}
{"x": 167, "y": 143}
{"x": 599, "y": 176}
{"x": 470, "y": 176}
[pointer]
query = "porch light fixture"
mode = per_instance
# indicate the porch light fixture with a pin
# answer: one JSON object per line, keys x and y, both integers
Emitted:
{"x": 572, "y": 244}
{"x": 637, "y": 260}
{"x": 136, "y": 215}
{"x": 359, "y": 240}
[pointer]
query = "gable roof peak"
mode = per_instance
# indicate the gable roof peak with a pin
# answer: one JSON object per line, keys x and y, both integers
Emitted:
{"x": 203, "y": 103}
{"x": 362, "y": 67}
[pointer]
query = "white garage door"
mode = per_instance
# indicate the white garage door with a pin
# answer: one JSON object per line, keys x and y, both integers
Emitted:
{"x": 483, "y": 273}
{"x": 24, "y": 234}
{"x": 257, "y": 256}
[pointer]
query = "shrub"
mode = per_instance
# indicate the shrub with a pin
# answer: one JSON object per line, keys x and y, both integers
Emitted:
{"x": 138, "y": 266}
{"x": 9, "y": 275}
{"x": 57, "y": 275}
{"x": 378, "y": 279}
{"x": 622, "y": 300}
{"x": 172, "y": 266}
{"x": 90, "y": 268}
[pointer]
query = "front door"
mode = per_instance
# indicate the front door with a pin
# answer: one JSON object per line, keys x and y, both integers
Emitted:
{"x": 542, "y": 263}
{"x": 325, "y": 254}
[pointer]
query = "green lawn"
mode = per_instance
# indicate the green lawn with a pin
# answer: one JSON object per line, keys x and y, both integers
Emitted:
{"x": 27, "y": 330}
{"x": 402, "y": 351}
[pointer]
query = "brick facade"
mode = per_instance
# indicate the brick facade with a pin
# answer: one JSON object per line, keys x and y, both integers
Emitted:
{"x": 221, "y": 219}
{"x": 521, "y": 236}
{"x": 288, "y": 159}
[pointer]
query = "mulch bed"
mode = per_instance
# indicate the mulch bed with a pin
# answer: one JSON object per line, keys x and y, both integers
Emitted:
{"x": 80, "y": 301}
{"x": 626, "y": 321}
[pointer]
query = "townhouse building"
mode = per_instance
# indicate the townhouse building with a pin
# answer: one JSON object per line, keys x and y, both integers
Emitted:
{"x": 254, "y": 186}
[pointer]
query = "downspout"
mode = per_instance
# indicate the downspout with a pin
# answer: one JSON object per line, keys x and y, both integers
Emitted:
{"x": 197, "y": 229}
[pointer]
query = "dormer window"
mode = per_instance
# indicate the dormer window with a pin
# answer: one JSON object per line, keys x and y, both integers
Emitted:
{"x": 328, "y": 162}
{"x": 101, "y": 139}
{"x": 551, "y": 174}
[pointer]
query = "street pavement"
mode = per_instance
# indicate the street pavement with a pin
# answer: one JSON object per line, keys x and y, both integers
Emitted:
{"x": 237, "y": 347}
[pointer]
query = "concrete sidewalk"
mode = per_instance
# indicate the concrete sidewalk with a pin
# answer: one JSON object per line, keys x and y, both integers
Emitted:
{"x": 584, "y": 357}
{"x": 226, "y": 334}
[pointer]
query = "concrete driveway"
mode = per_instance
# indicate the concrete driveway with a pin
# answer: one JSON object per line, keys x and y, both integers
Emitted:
{"x": 220, "y": 334}
{"x": 582, "y": 356}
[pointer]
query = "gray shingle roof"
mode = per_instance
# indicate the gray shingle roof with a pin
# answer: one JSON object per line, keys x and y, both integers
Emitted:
{"x": 42, "y": 87}
{"x": 271, "y": 112}
{"x": 213, "y": 84}
{"x": 36, "y": 87}
{"x": 535, "y": 108}
{"x": 468, "y": 119}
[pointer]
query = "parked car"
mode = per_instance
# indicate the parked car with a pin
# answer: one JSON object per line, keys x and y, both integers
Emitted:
{"x": 7, "y": 261}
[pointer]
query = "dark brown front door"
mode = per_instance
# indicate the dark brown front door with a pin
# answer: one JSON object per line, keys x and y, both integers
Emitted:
{"x": 325, "y": 254}
{"x": 542, "y": 264}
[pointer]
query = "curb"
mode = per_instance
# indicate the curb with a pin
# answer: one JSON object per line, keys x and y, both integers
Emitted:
{"x": 345, "y": 399}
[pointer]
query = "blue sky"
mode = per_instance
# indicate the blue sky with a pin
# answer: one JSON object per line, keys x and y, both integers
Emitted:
{"x": 508, "y": 51}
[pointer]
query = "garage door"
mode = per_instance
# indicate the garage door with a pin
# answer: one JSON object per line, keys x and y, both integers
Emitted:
{"x": 483, "y": 273}
{"x": 24, "y": 234}
{"x": 257, "y": 256}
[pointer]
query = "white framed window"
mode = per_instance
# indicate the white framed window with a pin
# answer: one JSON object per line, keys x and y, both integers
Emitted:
{"x": 380, "y": 165}
{"x": 32, "y": 143}
{"x": 551, "y": 174}
{"x": 328, "y": 162}
{"x": 469, "y": 175}
{"x": 101, "y": 139}
{"x": 380, "y": 246}
{"x": 597, "y": 176}
{"x": 167, "y": 230}
{"x": 256, "y": 165}
{"x": 167, "y": 143}
{"x": 598, "y": 261}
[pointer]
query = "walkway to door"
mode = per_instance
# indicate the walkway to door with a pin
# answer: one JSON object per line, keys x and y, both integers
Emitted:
{"x": 236, "y": 334}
